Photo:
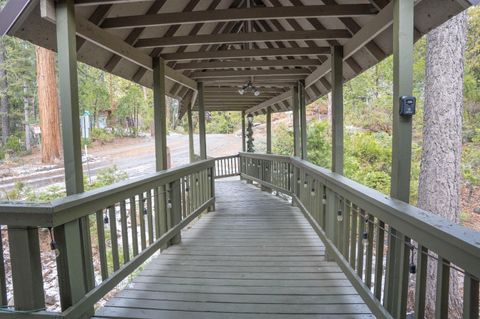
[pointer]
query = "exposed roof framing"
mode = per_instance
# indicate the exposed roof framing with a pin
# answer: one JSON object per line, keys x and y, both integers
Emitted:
{"x": 242, "y": 37}
{"x": 242, "y": 14}
{"x": 225, "y": 43}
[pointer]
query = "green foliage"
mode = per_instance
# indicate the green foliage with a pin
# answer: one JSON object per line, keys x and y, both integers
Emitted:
{"x": 101, "y": 135}
{"x": 223, "y": 122}
{"x": 13, "y": 144}
{"x": 106, "y": 176}
{"x": 471, "y": 164}
{"x": 282, "y": 140}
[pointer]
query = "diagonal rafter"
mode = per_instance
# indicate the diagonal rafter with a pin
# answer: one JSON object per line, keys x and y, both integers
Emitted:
{"x": 133, "y": 36}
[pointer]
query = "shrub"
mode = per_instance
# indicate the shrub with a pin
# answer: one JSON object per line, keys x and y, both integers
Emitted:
{"x": 101, "y": 135}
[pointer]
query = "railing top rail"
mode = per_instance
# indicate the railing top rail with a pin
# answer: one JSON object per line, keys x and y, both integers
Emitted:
{"x": 266, "y": 156}
{"x": 225, "y": 157}
{"x": 454, "y": 242}
{"x": 72, "y": 207}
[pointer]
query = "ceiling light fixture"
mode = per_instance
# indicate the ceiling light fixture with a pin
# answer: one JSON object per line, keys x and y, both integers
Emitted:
{"x": 249, "y": 87}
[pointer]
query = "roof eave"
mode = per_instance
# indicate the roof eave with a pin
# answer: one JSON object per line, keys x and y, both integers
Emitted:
{"x": 12, "y": 13}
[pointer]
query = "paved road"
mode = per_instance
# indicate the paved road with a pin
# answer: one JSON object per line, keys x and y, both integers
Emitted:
{"x": 136, "y": 159}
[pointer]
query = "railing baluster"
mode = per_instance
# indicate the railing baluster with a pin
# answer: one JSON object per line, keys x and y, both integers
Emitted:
{"x": 380, "y": 243}
{"x": 133, "y": 221}
{"x": 114, "y": 237}
{"x": 150, "y": 216}
{"x": 175, "y": 210}
{"x": 421, "y": 281}
{"x": 123, "y": 216}
{"x": 470, "y": 297}
{"x": 3, "y": 283}
{"x": 142, "y": 210}
{"x": 157, "y": 214}
{"x": 369, "y": 253}
{"x": 353, "y": 236}
{"x": 443, "y": 282}
{"x": 361, "y": 232}
{"x": 346, "y": 228}
{"x": 102, "y": 252}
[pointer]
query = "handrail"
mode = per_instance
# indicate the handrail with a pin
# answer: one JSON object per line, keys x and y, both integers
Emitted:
{"x": 63, "y": 210}
{"x": 345, "y": 214}
{"x": 137, "y": 217}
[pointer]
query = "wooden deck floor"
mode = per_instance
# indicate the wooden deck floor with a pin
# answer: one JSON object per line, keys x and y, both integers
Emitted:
{"x": 255, "y": 257}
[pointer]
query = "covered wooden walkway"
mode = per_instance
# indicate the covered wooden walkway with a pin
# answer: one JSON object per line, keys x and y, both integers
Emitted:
{"x": 256, "y": 256}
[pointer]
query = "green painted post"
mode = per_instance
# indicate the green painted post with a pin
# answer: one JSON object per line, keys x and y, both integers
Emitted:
{"x": 75, "y": 267}
{"x": 297, "y": 147}
{"x": 159, "y": 114}
{"x": 337, "y": 109}
{"x": 303, "y": 118}
{"x": 269, "y": 131}
{"x": 191, "y": 145}
{"x": 160, "y": 124}
{"x": 244, "y": 145}
{"x": 201, "y": 122}
{"x": 397, "y": 263}
{"x": 26, "y": 268}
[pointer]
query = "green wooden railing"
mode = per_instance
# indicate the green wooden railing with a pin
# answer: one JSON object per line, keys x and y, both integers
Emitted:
{"x": 227, "y": 166}
{"x": 359, "y": 225}
{"x": 127, "y": 223}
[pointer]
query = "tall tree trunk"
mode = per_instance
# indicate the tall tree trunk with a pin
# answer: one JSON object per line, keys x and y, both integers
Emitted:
{"x": 48, "y": 107}
{"x": 440, "y": 174}
{"x": 3, "y": 95}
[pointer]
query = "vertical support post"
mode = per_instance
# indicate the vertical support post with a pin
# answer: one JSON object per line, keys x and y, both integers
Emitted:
{"x": 160, "y": 128}
{"x": 191, "y": 145}
{"x": 201, "y": 122}
{"x": 269, "y": 131}
{"x": 176, "y": 209}
{"x": 296, "y": 123}
{"x": 159, "y": 114}
{"x": 244, "y": 145}
{"x": 397, "y": 263}
{"x": 337, "y": 109}
{"x": 75, "y": 267}
{"x": 26, "y": 268}
{"x": 303, "y": 118}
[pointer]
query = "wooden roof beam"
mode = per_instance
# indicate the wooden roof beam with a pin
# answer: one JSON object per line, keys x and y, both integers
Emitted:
{"x": 246, "y": 64}
{"x": 104, "y": 2}
{"x": 243, "y": 14}
{"x": 244, "y": 38}
{"x": 237, "y": 73}
{"x": 112, "y": 43}
{"x": 240, "y": 54}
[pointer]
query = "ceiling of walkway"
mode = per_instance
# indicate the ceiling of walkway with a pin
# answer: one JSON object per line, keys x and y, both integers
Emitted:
{"x": 226, "y": 43}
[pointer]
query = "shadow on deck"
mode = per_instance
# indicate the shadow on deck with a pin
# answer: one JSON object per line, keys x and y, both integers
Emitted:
{"x": 256, "y": 256}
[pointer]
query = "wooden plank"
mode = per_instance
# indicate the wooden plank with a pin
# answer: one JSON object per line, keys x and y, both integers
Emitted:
{"x": 102, "y": 251}
{"x": 252, "y": 257}
{"x": 240, "y": 54}
{"x": 239, "y": 14}
{"x": 114, "y": 237}
{"x": 245, "y": 64}
{"x": 124, "y": 223}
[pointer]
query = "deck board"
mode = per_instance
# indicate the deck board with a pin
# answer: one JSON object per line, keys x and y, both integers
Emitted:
{"x": 254, "y": 257}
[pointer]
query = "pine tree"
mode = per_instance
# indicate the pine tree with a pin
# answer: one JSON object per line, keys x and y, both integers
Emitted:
{"x": 48, "y": 104}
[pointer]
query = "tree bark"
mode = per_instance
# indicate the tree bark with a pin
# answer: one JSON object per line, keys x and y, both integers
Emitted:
{"x": 48, "y": 106}
{"x": 440, "y": 174}
{"x": 3, "y": 96}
